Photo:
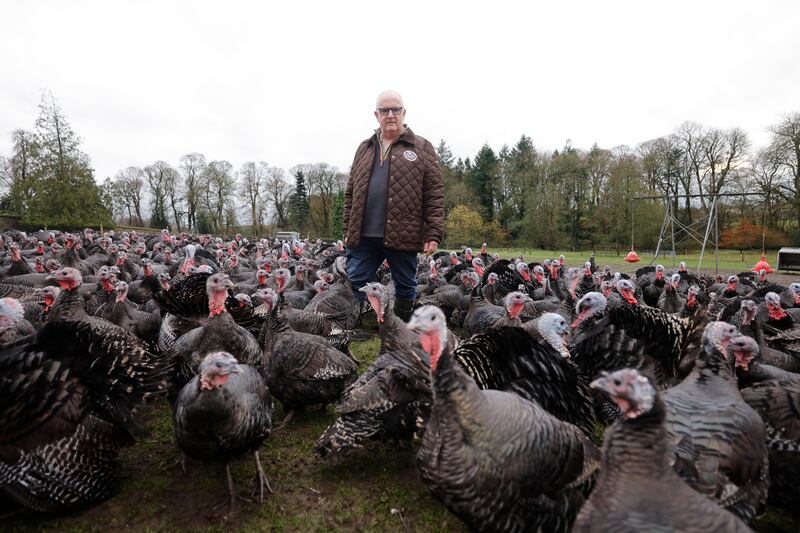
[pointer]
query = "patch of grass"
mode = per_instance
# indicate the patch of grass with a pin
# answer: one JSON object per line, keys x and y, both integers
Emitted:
{"x": 366, "y": 351}
{"x": 728, "y": 259}
{"x": 777, "y": 520}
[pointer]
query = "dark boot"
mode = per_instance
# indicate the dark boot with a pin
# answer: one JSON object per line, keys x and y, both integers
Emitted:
{"x": 403, "y": 309}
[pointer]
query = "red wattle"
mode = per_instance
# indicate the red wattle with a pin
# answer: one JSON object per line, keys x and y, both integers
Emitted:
{"x": 776, "y": 313}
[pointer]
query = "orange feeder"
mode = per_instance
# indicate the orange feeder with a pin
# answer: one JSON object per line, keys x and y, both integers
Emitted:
{"x": 632, "y": 257}
{"x": 761, "y": 265}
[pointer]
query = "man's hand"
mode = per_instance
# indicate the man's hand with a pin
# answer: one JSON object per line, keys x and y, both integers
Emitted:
{"x": 430, "y": 247}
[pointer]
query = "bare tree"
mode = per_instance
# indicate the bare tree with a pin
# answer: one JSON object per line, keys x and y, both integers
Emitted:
{"x": 157, "y": 175}
{"x": 192, "y": 167}
{"x": 218, "y": 187}
{"x": 785, "y": 147}
{"x": 323, "y": 182}
{"x": 690, "y": 139}
{"x": 119, "y": 203}
{"x": 723, "y": 152}
{"x": 766, "y": 175}
{"x": 277, "y": 192}
{"x": 128, "y": 184}
{"x": 174, "y": 196}
{"x": 252, "y": 179}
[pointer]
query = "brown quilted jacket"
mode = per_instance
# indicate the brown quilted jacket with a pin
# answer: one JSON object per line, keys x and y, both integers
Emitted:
{"x": 415, "y": 207}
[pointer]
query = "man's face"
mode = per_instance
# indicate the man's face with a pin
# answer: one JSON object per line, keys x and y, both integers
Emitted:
{"x": 390, "y": 115}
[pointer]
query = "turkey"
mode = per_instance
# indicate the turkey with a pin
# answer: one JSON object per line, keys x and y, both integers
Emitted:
{"x": 19, "y": 266}
{"x": 637, "y": 489}
{"x": 454, "y": 300}
{"x": 338, "y": 300}
{"x": 223, "y": 412}
{"x": 37, "y": 311}
{"x": 534, "y": 363}
{"x": 692, "y": 302}
{"x": 13, "y": 324}
{"x": 303, "y": 369}
{"x": 298, "y": 319}
{"x": 482, "y": 315}
{"x": 477, "y": 459}
{"x": 651, "y": 282}
{"x": 384, "y": 403}
{"x": 68, "y": 407}
{"x": 777, "y": 401}
{"x": 749, "y": 320}
{"x": 774, "y": 315}
{"x": 670, "y": 300}
{"x": 394, "y": 334}
{"x": 296, "y": 298}
{"x": 750, "y": 367}
{"x": 633, "y": 336}
{"x": 219, "y": 333}
{"x": 120, "y": 312}
{"x": 508, "y": 278}
{"x": 141, "y": 290}
{"x": 718, "y": 439}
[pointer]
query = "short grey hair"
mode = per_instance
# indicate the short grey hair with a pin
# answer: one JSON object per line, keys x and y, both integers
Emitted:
{"x": 388, "y": 92}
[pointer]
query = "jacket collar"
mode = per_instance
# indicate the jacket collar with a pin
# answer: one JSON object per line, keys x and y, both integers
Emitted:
{"x": 407, "y": 137}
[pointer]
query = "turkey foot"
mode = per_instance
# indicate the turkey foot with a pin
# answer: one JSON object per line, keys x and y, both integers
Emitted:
{"x": 233, "y": 496}
{"x": 285, "y": 422}
{"x": 261, "y": 480}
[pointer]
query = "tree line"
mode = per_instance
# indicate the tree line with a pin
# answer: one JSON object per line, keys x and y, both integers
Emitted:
{"x": 577, "y": 198}
{"x": 564, "y": 198}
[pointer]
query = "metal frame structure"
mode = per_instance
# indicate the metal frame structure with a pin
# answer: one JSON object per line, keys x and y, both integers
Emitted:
{"x": 671, "y": 220}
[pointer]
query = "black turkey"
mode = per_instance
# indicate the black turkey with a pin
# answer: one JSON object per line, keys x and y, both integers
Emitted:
{"x": 637, "y": 489}
{"x": 718, "y": 439}
{"x": 224, "y": 412}
{"x": 67, "y": 397}
{"x": 477, "y": 459}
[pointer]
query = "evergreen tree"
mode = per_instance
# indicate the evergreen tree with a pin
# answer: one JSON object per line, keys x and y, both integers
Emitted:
{"x": 482, "y": 179}
{"x": 59, "y": 184}
{"x": 445, "y": 155}
{"x": 338, "y": 215}
{"x": 298, "y": 204}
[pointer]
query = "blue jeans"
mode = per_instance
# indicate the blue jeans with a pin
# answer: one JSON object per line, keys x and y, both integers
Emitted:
{"x": 363, "y": 263}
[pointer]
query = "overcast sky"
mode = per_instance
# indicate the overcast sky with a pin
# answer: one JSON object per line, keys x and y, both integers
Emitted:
{"x": 296, "y": 82}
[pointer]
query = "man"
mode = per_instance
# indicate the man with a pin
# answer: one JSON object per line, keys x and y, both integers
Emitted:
{"x": 394, "y": 204}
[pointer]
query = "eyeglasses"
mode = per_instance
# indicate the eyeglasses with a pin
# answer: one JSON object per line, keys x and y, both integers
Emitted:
{"x": 386, "y": 110}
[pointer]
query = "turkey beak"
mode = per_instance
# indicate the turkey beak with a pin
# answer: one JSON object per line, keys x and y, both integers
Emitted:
{"x": 51, "y": 277}
{"x": 601, "y": 384}
{"x": 414, "y": 325}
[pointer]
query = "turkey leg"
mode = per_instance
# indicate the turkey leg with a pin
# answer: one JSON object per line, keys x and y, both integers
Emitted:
{"x": 261, "y": 480}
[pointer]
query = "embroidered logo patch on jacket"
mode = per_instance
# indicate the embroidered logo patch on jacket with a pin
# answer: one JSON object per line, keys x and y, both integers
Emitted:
{"x": 410, "y": 155}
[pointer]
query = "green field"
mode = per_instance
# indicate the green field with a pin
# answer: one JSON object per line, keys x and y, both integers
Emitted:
{"x": 729, "y": 260}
